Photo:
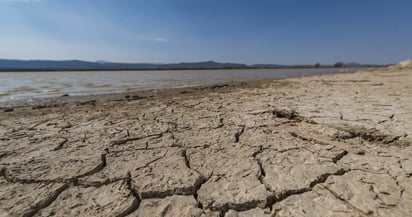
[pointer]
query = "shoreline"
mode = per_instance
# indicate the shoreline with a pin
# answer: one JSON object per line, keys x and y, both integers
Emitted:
{"x": 262, "y": 148}
{"x": 150, "y": 93}
{"x": 66, "y": 98}
{"x": 168, "y": 87}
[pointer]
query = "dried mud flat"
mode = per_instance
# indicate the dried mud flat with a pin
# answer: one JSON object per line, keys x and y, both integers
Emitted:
{"x": 337, "y": 145}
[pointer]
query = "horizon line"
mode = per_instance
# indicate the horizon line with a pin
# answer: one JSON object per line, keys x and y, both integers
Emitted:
{"x": 200, "y": 61}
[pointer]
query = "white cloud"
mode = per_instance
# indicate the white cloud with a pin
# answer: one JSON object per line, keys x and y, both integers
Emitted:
{"x": 161, "y": 39}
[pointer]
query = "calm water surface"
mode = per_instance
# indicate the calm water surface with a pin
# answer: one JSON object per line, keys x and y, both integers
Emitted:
{"x": 26, "y": 85}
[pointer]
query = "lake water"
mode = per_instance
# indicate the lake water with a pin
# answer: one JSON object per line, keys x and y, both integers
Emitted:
{"x": 26, "y": 85}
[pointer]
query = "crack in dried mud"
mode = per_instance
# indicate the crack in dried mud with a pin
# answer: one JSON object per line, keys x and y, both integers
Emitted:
{"x": 319, "y": 180}
{"x": 239, "y": 133}
{"x": 124, "y": 141}
{"x": 61, "y": 144}
{"x": 74, "y": 180}
{"x": 45, "y": 203}
{"x": 351, "y": 206}
{"x": 134, "y": 193}
{"x": 199, "y": 183}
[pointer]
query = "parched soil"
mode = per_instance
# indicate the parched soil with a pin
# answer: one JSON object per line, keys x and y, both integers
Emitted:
{"x": 330, "y": 145}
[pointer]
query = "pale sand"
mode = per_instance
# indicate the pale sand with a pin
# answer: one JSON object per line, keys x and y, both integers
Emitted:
{"x": 336, "y": 145}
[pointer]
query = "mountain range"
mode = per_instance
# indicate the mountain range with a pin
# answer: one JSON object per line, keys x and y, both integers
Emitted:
{"x": 34, "y": 65}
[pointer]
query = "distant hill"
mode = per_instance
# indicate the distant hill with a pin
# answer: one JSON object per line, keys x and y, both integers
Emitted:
{"x": 33, "y": 65}
{"x": 6, "y": 64}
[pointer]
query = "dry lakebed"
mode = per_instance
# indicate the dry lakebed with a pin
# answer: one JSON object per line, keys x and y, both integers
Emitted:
{"x": 327, "y": 145}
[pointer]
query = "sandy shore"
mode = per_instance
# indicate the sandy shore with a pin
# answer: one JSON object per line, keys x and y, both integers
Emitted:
{"x": 330, "y": 145}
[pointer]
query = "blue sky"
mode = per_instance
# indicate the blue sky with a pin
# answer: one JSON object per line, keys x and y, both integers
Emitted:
{"x": 245, "y": 31}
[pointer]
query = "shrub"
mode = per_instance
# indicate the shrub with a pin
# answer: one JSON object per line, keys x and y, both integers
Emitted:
{"x": 338, "y": 65}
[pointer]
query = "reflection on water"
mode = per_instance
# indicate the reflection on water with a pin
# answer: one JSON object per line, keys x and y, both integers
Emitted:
{"x": 24, "y": 85}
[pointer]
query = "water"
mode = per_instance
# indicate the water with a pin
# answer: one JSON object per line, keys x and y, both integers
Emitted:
{"x": 26, "y": 85}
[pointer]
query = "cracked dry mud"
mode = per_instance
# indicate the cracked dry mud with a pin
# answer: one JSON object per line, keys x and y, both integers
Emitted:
{"x": 336, "y": 145}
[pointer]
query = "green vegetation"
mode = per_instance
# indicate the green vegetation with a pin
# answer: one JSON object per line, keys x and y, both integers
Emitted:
{"x": 338, "y": 65}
